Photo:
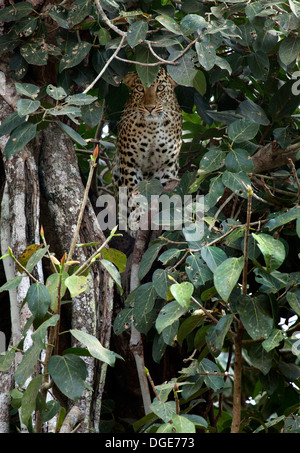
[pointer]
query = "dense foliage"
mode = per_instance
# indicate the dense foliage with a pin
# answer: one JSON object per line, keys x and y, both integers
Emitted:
{"x": 229, "y": 292}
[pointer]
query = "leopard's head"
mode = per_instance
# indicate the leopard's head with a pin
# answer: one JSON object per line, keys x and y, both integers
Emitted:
{"x": 154, "y": 102}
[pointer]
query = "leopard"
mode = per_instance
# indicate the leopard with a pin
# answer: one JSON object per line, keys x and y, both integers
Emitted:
{"x": 149, "y": 137}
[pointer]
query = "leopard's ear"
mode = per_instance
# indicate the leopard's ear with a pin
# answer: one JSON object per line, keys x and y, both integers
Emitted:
{"x": 173, "y": 83}
{"x": 130, "y": 80}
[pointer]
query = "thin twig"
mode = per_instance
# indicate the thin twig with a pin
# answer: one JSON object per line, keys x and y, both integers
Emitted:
{"x": 295, "y": 177}
{"x": 246, "y": 242}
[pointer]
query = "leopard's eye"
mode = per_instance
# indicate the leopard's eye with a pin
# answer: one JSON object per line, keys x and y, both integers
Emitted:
{"x": 139, "y": 88}
{"x": 160, "y": 87}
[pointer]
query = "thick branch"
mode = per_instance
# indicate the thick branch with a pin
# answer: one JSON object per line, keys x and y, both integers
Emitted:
{"x": 270, "y": 156}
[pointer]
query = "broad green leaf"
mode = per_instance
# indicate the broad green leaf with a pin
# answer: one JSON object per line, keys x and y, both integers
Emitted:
{"x": 294, "y": 301}
{"x": 158, "y": 347}
{"x": 56, "y": 283}
{"x": 227, "y": 275}
{"x": 213, "y": 256}
{"x": 60, "y": 15}
{"x": 26, "y": 367}
{"x": 260, "y": 358}
{"x": 38, "y": 299}
{"x": 78, "y": 11}
{"x": 57, "y": 93}
{"x": 169, "y": 23}
{"x": 289, "y": 49}
{"x": 145, "y": 297}
{"x": 162, "y": 283}
{"x": 52, "y": 408}
{"x": 284, "y": 102}
{"x": 19, "y": 138}
{"x": 187, "y": 326}
{"x": 68, "y": 373}
{"x": 206, "y": 55}
{"x": 182, "y": 292}
{"x": 7, "y": 359}
{"x": 81, "y": 99}
{"x": 147, "y": 74}
{"x": 283, "y": 219}
{"x": 27, "y": 89}
{"x": 254, "y": 112}
{"x": 213, "y": 382}
{"x": 114, "y": 273}
{"x": 216, "y": 190}
{"x": 91, "y": 114}
{"x": 185, "y": 72}
{"x": 72, "y": 134}
{"x": 39, "y": 335}
{"x": 74, "y": 55}
{"x": 183, "y": 424}
{"x": 254, "y": 316}
{"x": 123, "y": 320}
{"x": 238, "y": 160}
{"x": 29, "y": 398}
{"x": 197, "y": 271}
{"x": 216, "y": 334}
{"x": 137, "y": 33}
{"x": 11, "y": 284}
{"x": 274, "y": 339}
{"x": 212, "y": 160}
{"x": 15, "y": 11}
{"x": 10, "y": 123}
{"x": 117, "y": 257}
{"x": 36, "y": 257}
{"x": 242, "y": 130}
{"x": 191, "y": 23}
{"x": 169, "y": 255}
{"x": 95, "y": 347}
{"x": 165, "y": 411}
{"x": 27, "y": 106}
{"x": 272, "y": 249}
{"x": 168, "y": 314}
{"x": 148, "y": 259}
{"x": 34, "y": 52}
{"x": 170, "y": 332}
{"x": 237, "y": 182}
{"x": 76, "y": 284}
{"x": 199, "y": 82}
{"x": 259, "y": 65}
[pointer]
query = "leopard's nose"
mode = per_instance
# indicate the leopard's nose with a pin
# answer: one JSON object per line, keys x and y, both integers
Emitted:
{"x": 150, "y": 108}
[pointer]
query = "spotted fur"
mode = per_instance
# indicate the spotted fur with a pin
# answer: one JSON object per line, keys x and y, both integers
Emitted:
{"x": 149, "y": 133}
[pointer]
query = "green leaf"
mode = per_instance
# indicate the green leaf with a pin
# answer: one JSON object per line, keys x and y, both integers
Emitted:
{"x": 187, "y": 326}
{"x": 283, "y": 219}
{"x": 72, "y": 134}
{"x": 161, "y": 283}
{"x": 56, "y": 283}
{"x": 216, "y": 190}
{"x": 74, "y": 55}
{"x": 242, "y": 130}
{"x": 260, "y": 358}
{"x": 212, "y": 160}
{"x": 227, "y": 275}
{"x": 27, "y": 106}
{"x": 15, "y": 11}
{"x": 170, "y": 332}
{"x": 11, "y": 284}
{"x": 275, "y": 338}
{"x": 36, "y": 257}
{"x": 10, "y": 123}
{"x": 165, "y": 411}
{"x": 117, "y": 257}
{"x": 123, "y": 320}
{"x": 29, "y": 398}
{"x": 22, "y": 135}
{"x": 145, "y": 297}
{"x": 38, "y": 299}
{"x": 183, "y": 424}
{"x": 26, "y": 367}
{"x": 169, "y": 23}
{"x": 81, "y": 99}
{"x": 68, "y": 373}
{"x": 27, "y": 89}
{"x": 272, "y": 249}
{"x": 213, "y": 256}
{"x": 199, "y": 83}
{"x": 147, "y": 74}
{"x": 78, "y": 11}
{"x": 185, "y": 72}
{"x": 254, "y": 316}
{"x": 7, "y": 359}
{"x": 76, "y": 284}
{"x": 57, "y": 93}
{"x": 206, "y": 55}
{"x": 92, "y": 114}
{"x": 168, "y": 314}
{"x": 34, "y": 52}
{"x": 60, "y": 15}
{"x": 294, "y": 301}
{"x": 197, "y": 271}
{"x": 148, "y": 259}
{"x": 114, "y": 273}
{"x": 237, "y": 182}
{"x": 238, "y": 160}
{"x": 95, "y": 348}
{"x": 253, "y": 112}
{"x": 137, "y": 33}
{"x": 182, "y": 292}
{"x": 169, "y": 255}
{"x": 213, "y": 382}
{"x": 284, "y": 102}
{"x": 289, "y": 49}
{"x": 191, "y": 23}
{"x": 259, "y": 65}
{"x": 216, "y": 334}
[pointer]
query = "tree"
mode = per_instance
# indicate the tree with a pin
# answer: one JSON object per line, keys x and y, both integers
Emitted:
{"x": 216, "y": 300}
